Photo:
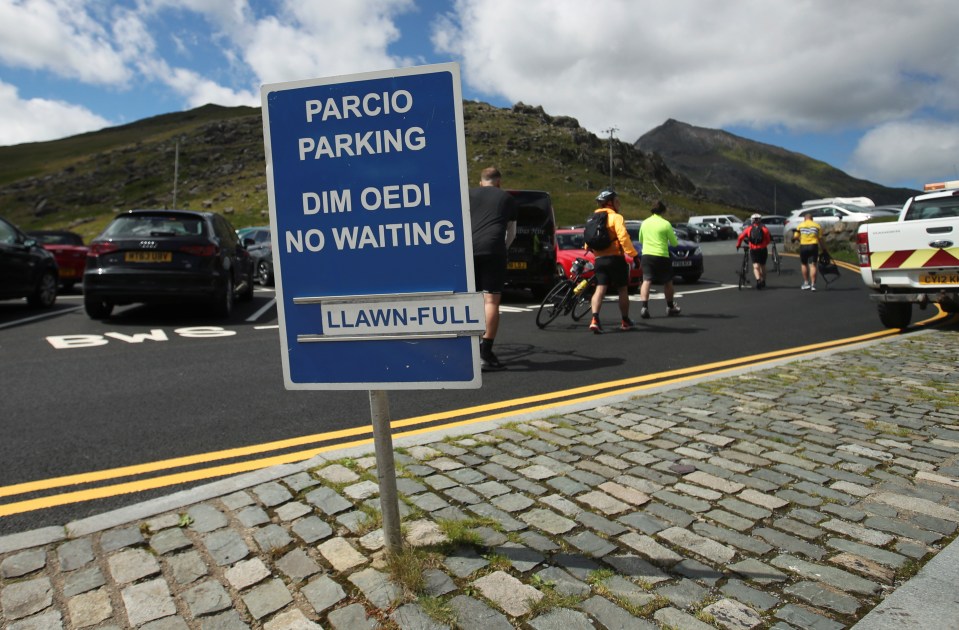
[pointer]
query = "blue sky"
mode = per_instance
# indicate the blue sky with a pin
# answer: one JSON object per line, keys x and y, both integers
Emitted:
{"x": 868, "y": 86}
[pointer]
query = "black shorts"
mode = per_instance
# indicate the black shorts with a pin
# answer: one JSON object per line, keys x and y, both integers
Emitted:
{"x": 808, "y": 254}
{"x": 759, "y": 255}
{"x": 489, "y": 273}
{"x": 611, "y": 271}
{"x": 657, "y": 269}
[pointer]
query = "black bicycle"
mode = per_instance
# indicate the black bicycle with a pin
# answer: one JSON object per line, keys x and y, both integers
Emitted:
{"x": 569, "y": 295}
{"x": 777, "y": 262}
{"x": 744, "y": 270}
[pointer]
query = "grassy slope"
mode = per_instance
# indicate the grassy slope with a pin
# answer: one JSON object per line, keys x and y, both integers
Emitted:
{"x": 82, "y": 181}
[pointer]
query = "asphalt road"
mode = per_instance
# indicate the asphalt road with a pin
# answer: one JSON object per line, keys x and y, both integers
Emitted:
{"x": 153, "y": 384}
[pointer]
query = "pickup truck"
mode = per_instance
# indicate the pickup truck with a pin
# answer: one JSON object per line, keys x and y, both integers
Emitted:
{"x": 914, "y": 259}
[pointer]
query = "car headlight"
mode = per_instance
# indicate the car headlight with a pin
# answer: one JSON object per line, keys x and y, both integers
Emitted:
{"x": 698, "y": 251}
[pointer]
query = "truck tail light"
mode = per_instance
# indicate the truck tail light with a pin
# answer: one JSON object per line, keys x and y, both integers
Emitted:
{"x": 862, "y": 248}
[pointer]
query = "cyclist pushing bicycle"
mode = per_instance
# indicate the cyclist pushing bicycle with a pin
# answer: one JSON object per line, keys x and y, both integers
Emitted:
{"x": 758, "y": 237}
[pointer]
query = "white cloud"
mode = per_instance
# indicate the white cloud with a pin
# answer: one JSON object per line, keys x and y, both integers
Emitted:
{"x": 37, "y": 119}
{"x": 810, "y": 66}
{"x": 58, "y": 36}
{"x": 908, "y": 152}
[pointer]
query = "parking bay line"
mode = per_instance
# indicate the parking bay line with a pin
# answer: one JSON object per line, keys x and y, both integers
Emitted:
{"x": 550, "y": 401}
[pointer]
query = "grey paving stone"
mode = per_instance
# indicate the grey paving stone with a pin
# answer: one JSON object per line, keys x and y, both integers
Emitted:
{"x": 267, "y": 598}
{"x": 187, "y": 567}
{"x": 131, "y": 565}
{"x": 806, "y": 619}
{"x": 82, "y": 581}
{"x": 19, "y": 599}
{"x": 523, "y": 559}
{"x": 729, "y": 537}
{"x": 229, "y": 620}
{"x": 590, "y": 544}
{"x": 733, "y": 615}
{"x": 789, "y": 543}
{"x": 312, "y": 529}
{"x": 23, "y": 563}
{"x": 89, "y": 609}
{"x": 463, "y": 562}
{"x": 352, "y": 617}
{"x": 252, "y": 515}
{"x": 226, "y": 547}
{"x": 740, "y": 591}
{"x": 882, "y": 556}
{"x": 561, "y": 619}
{"x": 699, "y": 545}
{"x": 508, "y": 593}
{"x": 759, "y": 572}
{"x": 323, "y": 593}
{"x": 272, "y": 538}
{"x": 272, "y": 494}
{"x": 636, "y": 568}
{"x": 206, "y": 597}
{"x": 834, "y": 577}
{"x": 612, "y": 616}
{"x": 114, "y": 539}
{"x": 206, "y": 518}
{"x": 74, "y": 554}
{"x": 168, "y": 540}
{"x": 673, "y": 618}
{"x": 822, "y": 596}
{"x": 684, "y": 593}
{"x": 246, "y": 573}
{"x": 696, "y": 570}
{"x": 47, "y": 620}
{"x": 147, "y": 601}
{"x": 643, "y": 522}
{"x": 413, "y": 617}
{"x": 328, "y": 501}
{"x": 377, "y": 587}
{"x": 472, "y": 614}
{"x": 297, "y": 565}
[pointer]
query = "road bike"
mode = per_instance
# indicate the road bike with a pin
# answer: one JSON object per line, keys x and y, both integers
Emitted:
{"x": 776, "y": 260}
{"x": 743, "y": 270}
{"x": 570, "y": 296}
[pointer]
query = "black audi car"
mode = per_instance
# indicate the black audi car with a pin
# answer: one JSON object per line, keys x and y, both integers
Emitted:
{"x": 166, "y": 256}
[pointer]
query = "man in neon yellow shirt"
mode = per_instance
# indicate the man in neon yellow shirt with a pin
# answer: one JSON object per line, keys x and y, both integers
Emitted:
{"x": 656, "y": 235}
{"x": 809, "y": 234}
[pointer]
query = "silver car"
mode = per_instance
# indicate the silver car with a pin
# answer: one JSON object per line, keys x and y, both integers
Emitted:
{"x": 775, "y": 224}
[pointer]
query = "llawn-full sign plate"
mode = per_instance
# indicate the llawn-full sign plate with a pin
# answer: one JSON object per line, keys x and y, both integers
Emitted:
{"x": 369, "y": 208}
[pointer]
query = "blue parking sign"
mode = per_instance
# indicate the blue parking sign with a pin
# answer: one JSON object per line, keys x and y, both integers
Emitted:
{"x": 369, "y": 209}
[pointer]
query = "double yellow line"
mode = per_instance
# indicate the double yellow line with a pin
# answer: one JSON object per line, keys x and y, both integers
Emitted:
{"x": 363, "y": 435}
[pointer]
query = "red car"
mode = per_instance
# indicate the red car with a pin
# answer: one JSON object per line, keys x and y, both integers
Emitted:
{"x": 68, "y": 250}
{"x": 569, "y": 247}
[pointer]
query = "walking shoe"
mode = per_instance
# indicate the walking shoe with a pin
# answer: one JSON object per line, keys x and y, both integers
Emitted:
{"x": 673, "y": 310}
{"x": 626, "y": 324}
{"x": 489, "y": 363}
{"x": 644, "y": 313}
{"x": 805, "y": 286}
{"x": 811, "y": 288}
{"x": 595, "y": 327}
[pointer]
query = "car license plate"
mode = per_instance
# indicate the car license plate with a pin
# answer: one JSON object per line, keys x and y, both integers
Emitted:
{"x": 682, "y": 263}
{"x": 519, "y": 264}
{"x": 148, "y": 257}
{"x": 939, "y": 278}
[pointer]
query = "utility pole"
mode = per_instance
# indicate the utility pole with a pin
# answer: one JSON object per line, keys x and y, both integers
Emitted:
{"x": 610, "y": 132}
{"x": 176, "y": 171}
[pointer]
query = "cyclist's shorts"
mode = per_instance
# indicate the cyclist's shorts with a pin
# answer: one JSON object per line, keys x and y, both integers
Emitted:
{"x": 657, "y": 269}
{"x": 759, "y": 255}
{"x": 808, "y": 254}
{"x": 489, "y": 272}
{"x": 611, "y": 271}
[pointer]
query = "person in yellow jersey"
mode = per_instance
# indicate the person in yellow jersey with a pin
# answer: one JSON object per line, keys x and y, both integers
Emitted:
{"x": 656, "y": 235}
{"x": 611, "y": 268}
{"x": 809, "y": 234}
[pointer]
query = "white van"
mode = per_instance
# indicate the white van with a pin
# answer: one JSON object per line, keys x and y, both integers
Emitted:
{"x": 722, "y": 220}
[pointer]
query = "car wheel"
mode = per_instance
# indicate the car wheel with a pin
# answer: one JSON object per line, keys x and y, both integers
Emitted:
{"x": 224, "y": 304}
{"x": 895, "y": 314}
{"x": 97, "y": 308}
{"x": 264, "y": 274}
{"x": 45, "y": 293}
{"x": 247, "y": 294}
{"x": 560, "y": 272}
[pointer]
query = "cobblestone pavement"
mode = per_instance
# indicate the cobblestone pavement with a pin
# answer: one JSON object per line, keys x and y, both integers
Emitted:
{"x": 794, "y": 496}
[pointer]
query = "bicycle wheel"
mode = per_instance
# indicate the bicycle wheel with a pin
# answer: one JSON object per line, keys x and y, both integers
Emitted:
{"x": 554, "y": 303}
{"x": 582, "y": 304}
{"x": 777, "y": 264}
{"x": 743, "y": 278}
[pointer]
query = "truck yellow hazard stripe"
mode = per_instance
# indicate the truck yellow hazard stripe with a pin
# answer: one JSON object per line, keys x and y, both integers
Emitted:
{"x": 915, "y": 259}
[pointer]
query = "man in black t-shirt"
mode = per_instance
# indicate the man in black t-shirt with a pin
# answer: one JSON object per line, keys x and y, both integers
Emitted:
{"x": 493, "y": 216}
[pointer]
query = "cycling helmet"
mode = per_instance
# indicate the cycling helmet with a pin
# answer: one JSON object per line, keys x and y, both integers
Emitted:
{"x": 607, "y": 195}
{"x": 756, "y": 217}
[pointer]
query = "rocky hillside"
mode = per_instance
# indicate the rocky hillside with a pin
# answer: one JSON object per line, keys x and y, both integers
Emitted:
{"x": 752, "y": 175}
{"x": 82, "y": 181}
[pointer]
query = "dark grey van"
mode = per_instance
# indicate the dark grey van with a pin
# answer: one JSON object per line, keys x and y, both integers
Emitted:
{"x": 532, "y": 256}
